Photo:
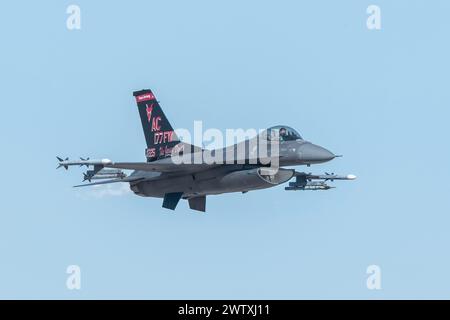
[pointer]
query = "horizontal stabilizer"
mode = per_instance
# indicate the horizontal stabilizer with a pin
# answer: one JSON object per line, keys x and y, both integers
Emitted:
{"x": 198, "y": 203}
{"x": 171, "y": 200}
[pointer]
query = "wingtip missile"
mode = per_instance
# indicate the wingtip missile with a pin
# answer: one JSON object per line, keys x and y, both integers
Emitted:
{"x": 84, "y": 160}
{"x": 332, "y": 175}
{"x": 98, "y": 164}
{"x": 61, "y": 164}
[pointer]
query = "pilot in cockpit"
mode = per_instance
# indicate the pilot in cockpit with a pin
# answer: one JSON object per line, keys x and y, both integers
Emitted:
{"x": 283, "y": 133}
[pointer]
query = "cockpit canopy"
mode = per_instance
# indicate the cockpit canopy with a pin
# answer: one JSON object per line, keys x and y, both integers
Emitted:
{"x": 283, "y": 133}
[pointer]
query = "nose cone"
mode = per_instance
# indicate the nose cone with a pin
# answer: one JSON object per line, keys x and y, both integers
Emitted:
{"x": 311, "y": 153}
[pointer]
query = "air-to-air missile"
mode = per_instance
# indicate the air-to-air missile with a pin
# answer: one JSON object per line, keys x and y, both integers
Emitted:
{"x": 103, "y": 174}
{"x": 82, "y": 162}
{"x": 304, "y": 181}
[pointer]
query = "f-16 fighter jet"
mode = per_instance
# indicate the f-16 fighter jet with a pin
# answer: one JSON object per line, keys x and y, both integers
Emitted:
{"x": 177, "y": 170}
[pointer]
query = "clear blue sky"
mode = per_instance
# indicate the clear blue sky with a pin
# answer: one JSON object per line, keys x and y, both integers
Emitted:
{"x": 380, "y": 98}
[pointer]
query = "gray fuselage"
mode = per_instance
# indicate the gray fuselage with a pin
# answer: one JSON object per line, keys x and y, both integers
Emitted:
{"x": 242, "y": 176}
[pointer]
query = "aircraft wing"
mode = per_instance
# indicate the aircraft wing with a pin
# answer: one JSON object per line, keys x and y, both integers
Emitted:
{"x": 158, "y": 167}
{"x": 166, "y": 165}
{"x": 109, "y": 181}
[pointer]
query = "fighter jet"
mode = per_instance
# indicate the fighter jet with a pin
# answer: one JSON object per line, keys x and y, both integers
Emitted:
{"x": 176, "y": 170}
